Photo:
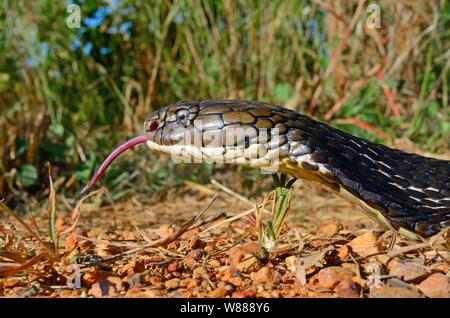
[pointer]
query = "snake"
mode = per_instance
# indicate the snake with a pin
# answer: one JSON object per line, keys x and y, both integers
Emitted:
{"x": 404, "y": 192}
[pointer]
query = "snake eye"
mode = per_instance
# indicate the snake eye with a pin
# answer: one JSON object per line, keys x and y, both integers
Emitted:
{"x": 182, "y": 115}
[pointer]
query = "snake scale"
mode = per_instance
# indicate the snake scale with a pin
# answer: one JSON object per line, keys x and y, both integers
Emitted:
{"x": 403, "y": 191}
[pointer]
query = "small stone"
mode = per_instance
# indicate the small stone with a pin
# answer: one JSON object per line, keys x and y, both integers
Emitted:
{"x": 214, "y": 263}
{"x": 289, "y": 278}
{"x": 197, "y": 254}
{"x": 331, "y": 276}
{"x": 409, "y": 272}
{"x": 188, "y": 283}
{"x": 189, "y": 262}
{"x": 209, "y": 249}
{"x": 293, "y": 263}
{"x": 199, "y": 272}
{"x": 189, "y": 235}
{"x": 131, "y": 268}
{"x": 238, "y": 252}
{"x": 95, "y": 233}
{"x": 172, "y": 283}
{"x": 347, "y": 289}
{"x": 397, "y": 282}
{"x": 441, "y": 267}
{"x": 251, "y": 264}
{"x": 105, "y": 249}
{"x": 330, "y": 229}
{"x": 265, "y": 276}
{"x": 435, "y": 286}
{"x": 153, "y": 280}
{"x": 248, "y": 293}
{"x": 172, "y": 267}
{"x": 343, "y": 252}
{"x": 365, "y": 244}
{"x": 195, "y": 243}
{"x": 144, "y": 294}
{"x": 106, "y": 287}
{"x": 173, "y": 245}
{"x": 95, "y": 276}
{"x": 67, "y": 293}
{"x": 129, "y": 235}
{"x": 12, "y": 283}
{"x": 393, "y": 292}
{"x": 220, "y": 292}
{"x": 164, "y": 230}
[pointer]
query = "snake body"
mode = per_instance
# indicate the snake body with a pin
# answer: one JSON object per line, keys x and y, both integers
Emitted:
{"x": 405, "y": 192}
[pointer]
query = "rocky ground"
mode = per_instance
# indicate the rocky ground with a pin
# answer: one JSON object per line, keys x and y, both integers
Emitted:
{"x": 154, "y": 248}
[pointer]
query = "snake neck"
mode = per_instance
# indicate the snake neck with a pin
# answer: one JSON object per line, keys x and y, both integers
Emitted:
{"x": 404, "y": 191}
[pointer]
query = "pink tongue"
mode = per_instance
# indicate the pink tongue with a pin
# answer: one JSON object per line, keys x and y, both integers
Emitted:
{"x": 125, "y": 146}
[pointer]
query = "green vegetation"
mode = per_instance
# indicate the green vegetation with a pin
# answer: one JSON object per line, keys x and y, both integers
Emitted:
{"x": 69, "y": 95}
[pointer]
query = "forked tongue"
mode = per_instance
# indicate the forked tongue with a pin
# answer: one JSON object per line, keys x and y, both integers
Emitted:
{"x": 113, "y": 155}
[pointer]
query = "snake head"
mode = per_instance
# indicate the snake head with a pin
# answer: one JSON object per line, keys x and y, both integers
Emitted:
{"x": 229, "y": 131}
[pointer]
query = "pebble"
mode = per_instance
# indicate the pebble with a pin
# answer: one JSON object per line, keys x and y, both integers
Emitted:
{"x": 330, "y": 229}
{"x": 343, "y": 252}
{"x": 331, "y": 276}
{"x": 195, "y": 243}
{"x": 365, "y": 244}
{"x": 199, "y": 272}
{"x": 293, "y": 263}
{"x": 393, "y": 292}
{"x": 172, "y": 283}
{"x": 189, "y": 262}
{"x": 197, "y": 253}
{"x": 131, "y": 268}
{"x": 188, "y": 283}
{"x": 249, "y": 265}
{"x": 164, "y": 230}
{"x": 248, "y": 293}
{"x": 409, "y": 272}
{"x": 347, "y": 289}
{"x": 189, "y": 234}
{"x": 209, "y": 249}
{"x": 172, "y": 267}
{"x": 265, "y": 276}
{"x": 238, "y": 252}
{"x": 106, "y": 287}
{"x": 95, "y": 276}
{"x": 220, "y": 292}
{"x": 105, "y": 249}
{"x": 435, "y": 286}
{"x": 214, "y": 263}
{"x": 12, "y": 283}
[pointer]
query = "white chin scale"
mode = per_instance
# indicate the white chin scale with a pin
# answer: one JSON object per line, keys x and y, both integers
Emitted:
{"x": 255, "y": 155}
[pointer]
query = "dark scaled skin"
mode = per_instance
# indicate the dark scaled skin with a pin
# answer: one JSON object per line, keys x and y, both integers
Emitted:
{"x": 410, "y": 191}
